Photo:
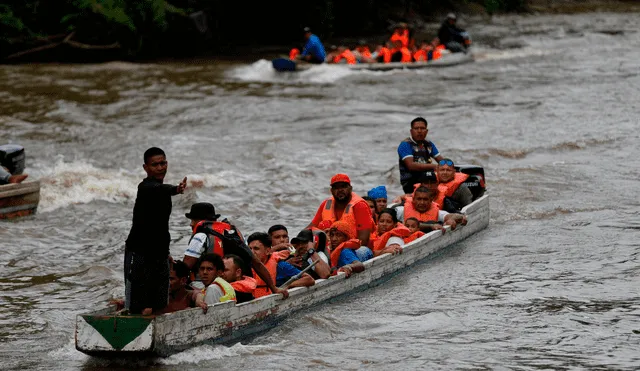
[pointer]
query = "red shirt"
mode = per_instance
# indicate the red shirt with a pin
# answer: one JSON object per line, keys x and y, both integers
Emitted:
{"x": 361, "y": 213}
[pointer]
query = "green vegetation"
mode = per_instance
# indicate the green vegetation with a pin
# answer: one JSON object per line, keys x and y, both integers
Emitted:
{"x": 85, "y": 30}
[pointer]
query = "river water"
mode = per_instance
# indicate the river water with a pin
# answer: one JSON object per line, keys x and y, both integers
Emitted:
{"x": 550, "y": 109}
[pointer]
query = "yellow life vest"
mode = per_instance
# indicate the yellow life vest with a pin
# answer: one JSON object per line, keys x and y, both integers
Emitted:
{"x": 228, "y": 293}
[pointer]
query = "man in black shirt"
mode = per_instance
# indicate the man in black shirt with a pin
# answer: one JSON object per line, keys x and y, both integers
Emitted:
{"x": 452, "y": 37}
{"x": 146, "y": 260}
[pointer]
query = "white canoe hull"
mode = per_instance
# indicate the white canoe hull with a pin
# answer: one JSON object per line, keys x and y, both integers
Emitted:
{"x": 102, "y": 334}
{"x": 448, "y": 59}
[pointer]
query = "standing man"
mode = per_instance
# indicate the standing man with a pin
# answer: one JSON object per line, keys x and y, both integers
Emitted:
{"x": 313, "y": 51}
{"x": 146, "y": 259}
{"x": 415, "y": 154}
{"x": 451, "y": 36}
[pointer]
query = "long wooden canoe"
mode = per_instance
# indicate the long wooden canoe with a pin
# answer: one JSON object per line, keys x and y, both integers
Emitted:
{"x": 19, "y": 199}
{"x": 107, "y": 335}
{"x": 448, "y": 59}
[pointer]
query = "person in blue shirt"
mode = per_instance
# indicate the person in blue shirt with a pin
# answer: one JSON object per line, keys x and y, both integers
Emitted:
{"x": 313, "y": 51}
{"x": 415, "y": 154}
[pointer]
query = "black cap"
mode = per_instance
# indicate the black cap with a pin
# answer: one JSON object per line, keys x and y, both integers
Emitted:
{"x": 306, "y": 29}
{"x": 305, "y": 235}
{"x": 202, "y": 211}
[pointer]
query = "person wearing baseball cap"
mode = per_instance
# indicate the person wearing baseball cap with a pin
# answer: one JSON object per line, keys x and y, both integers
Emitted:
{"x": 221, "y": 238}
{"x": 347, "y": 206}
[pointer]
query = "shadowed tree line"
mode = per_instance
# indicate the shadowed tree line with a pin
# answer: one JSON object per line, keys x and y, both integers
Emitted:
{"x": 83, "y": 30}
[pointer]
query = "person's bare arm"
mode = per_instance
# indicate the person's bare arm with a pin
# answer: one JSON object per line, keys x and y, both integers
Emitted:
{"x": 263, "y": 273}
{"x": 190, "y": 261}
{"x": 363, "y": 236}
{"x": 304, "y": 281}
{"x": 416, "y": 166}
{"x": 391, "y": 249}
{"x": 349, "y": 269}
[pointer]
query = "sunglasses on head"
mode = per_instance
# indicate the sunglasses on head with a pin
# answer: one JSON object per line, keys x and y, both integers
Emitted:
{"x": 445, "y": 162}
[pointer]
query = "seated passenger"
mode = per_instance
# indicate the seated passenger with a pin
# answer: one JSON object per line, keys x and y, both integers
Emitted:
{"x": 414, "y": 227}
{"x": 346, "y": 249}
{"x": 279, "y": 238}
{"x": 451, "y": 184}
{"x": 344, "y": 55}
{"x": 400, "y": 53}
{"x": 206, "y": 238}
{"x": 379, "y": 195}
{"x": 424, "y": 53}
{"x": 244, "y": 286}
{"x": 179, "y": 297}
{"x": 422, "y": 207}
{"x": 346, "y": 206}
{"x": 279, "y": 270}
{"x": 216, "y": 289}
{"x": 383, "y": 53}
{"x": 415, "y": 155}
{"x": 391, "y": 234}
{"x": 305, "y": 244}
{"x": 451, "y": 36}
{"x": 372, "y": 205}
{"x": 362, "y": 52}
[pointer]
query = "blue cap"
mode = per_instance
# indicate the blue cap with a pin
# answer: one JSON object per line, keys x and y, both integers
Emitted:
{"x": 378, "y": 192}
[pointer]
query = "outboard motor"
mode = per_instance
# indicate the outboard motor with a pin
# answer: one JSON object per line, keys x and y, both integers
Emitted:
{"x": 475, "y": 182}
{"x": 12, "y": 157}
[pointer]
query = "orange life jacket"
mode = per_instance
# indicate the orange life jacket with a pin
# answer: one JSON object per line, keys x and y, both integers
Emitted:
{"x": 420, "y": 55}
{"x": 213, "y": 243}
{"x": 398, "y": 231}
{"x": 439, "y": 199}
{"x": 294, "y": 53}
{"x": 328, "y": 212}
{"x": 430, "y": 215}
{"x": 403, "y": 37}
{"x": 449, "y": 188}
{"x": 414, "y": 236}
{"x": 272, "y": 266}
{"x": 347, "y": 55}
{"x": 246, "y": 284}
{"x": 437, "y": 52}
{"x": 364, "y": 51}
{"x": 386, "y": 54}
{"x": 335, "y": 254}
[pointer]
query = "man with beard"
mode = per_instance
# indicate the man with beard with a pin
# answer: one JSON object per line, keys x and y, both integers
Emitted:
{"x": 346, "y": 206}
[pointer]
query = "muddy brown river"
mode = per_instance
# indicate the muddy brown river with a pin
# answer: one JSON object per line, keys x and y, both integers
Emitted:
{"x": 550, "y": 109}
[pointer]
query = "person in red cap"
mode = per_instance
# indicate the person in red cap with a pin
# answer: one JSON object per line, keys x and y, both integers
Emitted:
{"x": 346, "y": 206}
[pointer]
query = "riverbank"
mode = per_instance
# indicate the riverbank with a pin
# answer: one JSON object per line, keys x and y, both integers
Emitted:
{"x": 97, "y": 35}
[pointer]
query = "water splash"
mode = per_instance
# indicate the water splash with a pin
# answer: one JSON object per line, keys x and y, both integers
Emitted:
{"x": 262, "y": 71}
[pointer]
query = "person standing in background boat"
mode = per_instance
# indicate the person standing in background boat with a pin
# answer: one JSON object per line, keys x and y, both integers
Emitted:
{"x": 313, "y": 51}
{"x": 347, "y": 206}
{"x": 146, "y": 259}
{"x": 415, "y": 154}
{"x": 453, "y": 38}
